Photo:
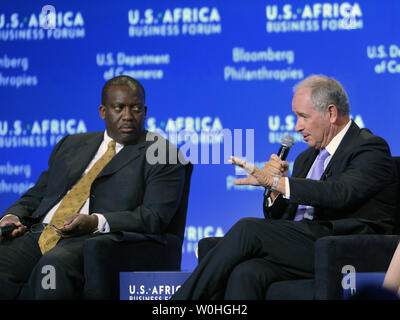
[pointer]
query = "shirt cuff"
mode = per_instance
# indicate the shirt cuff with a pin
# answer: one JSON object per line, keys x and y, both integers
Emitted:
{"x": 287, "y": 189}
{"x": 102, "y": 226}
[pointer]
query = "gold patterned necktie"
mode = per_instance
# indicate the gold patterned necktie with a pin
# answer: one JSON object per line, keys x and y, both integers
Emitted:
{"x": 73, "y": 201}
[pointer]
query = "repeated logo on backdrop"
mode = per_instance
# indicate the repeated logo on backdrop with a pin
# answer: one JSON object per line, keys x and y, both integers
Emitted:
{"x": 46, "y": 24}
{"x": 16, "y": 177}
{"x": 13, "y": 72}
{"x": 172, "y": 22}
{"x": 386, "y": 58}
{"x": 142, "y": 66}
{"x": 313, "y": 17}
{"x": 244, "y": 60}
{"x": 38, "y": 133}
{"x": 232, "y": 66}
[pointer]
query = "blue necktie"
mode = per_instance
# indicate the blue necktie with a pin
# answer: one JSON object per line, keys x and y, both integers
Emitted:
{"x": 316, "y": 172}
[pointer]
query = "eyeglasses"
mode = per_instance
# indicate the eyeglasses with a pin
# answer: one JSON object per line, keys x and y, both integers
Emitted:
{"x": 39, "y": 227}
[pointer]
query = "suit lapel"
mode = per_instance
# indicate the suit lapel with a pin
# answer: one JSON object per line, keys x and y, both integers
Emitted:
{"x": 81, "y": 157}
{"x": 301, "y": 171}
{"x": 342, "y": 150}
{"x": 127, "y": 154}
{"x": 310, "y": 154}
{"x": 76, "y": 165}
{"x": 308, "y": 160}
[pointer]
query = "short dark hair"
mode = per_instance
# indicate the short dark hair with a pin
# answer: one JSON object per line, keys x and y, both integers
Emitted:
{"x": 121, "y": 81}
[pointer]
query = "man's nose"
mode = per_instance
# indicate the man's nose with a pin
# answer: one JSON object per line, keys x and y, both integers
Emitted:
{"x": 127, "y": 114}
{"x": 299, "y": 126}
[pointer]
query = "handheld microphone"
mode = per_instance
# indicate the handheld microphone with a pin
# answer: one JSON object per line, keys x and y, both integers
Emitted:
{"x": 6, "y": 230}
{"x": 286, "y": 143}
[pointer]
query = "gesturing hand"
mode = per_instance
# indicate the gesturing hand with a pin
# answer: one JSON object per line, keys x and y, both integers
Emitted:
{"x": 255, "y": 176}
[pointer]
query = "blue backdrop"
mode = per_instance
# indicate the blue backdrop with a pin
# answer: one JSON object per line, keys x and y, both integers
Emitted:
{"x": 206, "y": 66}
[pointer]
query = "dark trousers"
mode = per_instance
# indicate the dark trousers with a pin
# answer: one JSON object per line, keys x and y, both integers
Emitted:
{"x": 253, "y": 254}
{"x": 27, "y": 274}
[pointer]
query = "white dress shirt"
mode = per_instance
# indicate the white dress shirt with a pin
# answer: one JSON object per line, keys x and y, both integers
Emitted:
{"x": 103, "y": 224}
{"x": 331, "y": 148}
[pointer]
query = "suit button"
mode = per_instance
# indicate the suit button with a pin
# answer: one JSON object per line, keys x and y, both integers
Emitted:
{"x": 92, "y": 196}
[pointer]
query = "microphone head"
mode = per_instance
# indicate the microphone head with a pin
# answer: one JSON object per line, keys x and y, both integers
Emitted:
{"x": 287, "y": 141}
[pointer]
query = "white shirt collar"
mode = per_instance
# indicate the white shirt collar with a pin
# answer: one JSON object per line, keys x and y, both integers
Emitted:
{"x": 107, "y": 139}
{"x": 335, "y": 142}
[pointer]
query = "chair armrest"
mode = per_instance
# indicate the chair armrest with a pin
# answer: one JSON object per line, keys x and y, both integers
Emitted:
{"x": 205, "y": 245}
{"x": 366, "y": 253}
{"x": 105, "y": 256}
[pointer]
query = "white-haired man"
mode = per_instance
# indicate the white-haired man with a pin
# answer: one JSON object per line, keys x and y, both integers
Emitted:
{"x": 344, "y": 183}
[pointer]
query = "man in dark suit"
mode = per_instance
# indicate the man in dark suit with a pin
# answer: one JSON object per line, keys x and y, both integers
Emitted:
{"x": 129, "y": 193}
{"x": 344, "y": 183}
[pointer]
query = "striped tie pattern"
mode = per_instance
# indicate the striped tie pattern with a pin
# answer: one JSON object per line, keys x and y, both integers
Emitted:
{"x": 73, "y": 201}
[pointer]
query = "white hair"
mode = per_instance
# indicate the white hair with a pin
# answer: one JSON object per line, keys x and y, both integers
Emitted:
{"x": 324, "y": 92}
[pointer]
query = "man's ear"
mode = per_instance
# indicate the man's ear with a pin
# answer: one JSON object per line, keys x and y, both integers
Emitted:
{"x": 102, "y": 111}
{"x": 332, "y": 112}
{"x": 145, "y": 111}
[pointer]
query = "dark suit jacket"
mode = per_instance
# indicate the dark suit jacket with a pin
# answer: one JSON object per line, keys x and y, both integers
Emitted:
{"x": 132, "y": 194}
{"x": 357, "y": 192}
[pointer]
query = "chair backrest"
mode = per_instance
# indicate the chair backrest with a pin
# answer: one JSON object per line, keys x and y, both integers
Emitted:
{"x": 178, "y": 222}
{"x": 397, "y": 221}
